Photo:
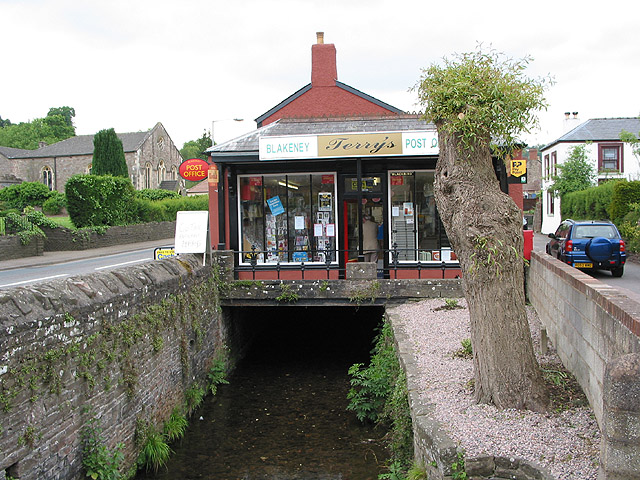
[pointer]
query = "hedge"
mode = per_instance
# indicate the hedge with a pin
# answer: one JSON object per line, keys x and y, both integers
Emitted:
{"x": 96, "y": 200}
{"x": 592, "y": 203}
{"x": 624, "y": 194}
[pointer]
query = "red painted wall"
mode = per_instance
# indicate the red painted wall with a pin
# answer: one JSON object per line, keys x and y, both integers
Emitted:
{"x": 328, "y": 102}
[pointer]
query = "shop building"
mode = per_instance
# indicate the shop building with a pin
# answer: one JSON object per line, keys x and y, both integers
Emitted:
{"x": 330, "y": 177}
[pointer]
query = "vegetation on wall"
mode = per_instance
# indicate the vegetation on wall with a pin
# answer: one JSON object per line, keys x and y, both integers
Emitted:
{"x": 379, "y": 395}
{"x": 108, "y": 357}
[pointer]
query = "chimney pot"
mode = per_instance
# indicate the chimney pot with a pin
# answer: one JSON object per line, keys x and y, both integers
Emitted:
{"x": 575, "y": 114}
{"x": 320, "y": 37}
{"x": 567, "y": 114}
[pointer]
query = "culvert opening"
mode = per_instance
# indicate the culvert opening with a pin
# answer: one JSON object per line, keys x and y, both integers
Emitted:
{"x": 283, "y": 413}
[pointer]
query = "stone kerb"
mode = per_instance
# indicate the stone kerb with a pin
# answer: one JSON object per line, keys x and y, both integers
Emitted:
{"x": 433, "y": 447}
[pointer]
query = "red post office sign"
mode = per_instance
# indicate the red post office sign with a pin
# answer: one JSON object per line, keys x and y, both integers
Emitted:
{"x": 194, "y": 169}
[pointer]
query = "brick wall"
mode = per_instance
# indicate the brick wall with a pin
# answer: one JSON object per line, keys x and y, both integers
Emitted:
{"x": 588, "y": 322}
{"x": 126, "y": 344}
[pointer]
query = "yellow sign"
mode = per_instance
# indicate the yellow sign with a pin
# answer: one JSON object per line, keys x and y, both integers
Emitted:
{"x": 164, "y": 252}
{"x": 360, "y": 144}
{"x": 518, "y": 168}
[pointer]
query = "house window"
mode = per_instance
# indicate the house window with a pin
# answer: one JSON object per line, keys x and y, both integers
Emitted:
{"x": 610, "y": 157}
{"x": 551, "y": 204}
{"x": 554, "y": 163}
{"x": 547, "y": 166}
{"x": 47, "y": 177}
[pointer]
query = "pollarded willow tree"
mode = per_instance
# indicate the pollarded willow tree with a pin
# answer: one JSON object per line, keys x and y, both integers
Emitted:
{"x": 474, "y": 100}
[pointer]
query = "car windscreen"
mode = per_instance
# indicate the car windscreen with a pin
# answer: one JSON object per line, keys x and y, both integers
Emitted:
{"x": 591, "y": 231}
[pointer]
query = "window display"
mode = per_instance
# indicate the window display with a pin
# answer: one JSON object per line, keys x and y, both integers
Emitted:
{"x": 416, "y": 230}
{"x": 288, "y": 218}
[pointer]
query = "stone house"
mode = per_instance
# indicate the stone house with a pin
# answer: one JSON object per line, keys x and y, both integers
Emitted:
{"x": 151, "y": 157}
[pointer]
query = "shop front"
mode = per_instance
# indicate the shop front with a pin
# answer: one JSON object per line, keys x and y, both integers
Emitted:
{"x": 303, "y": 198}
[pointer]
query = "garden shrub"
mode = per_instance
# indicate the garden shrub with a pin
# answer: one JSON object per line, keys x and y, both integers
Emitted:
{"x": 25, "y": 194}
{"x": 96, "y": 200}
{"x": 156, "y": 194}
{"x": 624, "y": 194}
{"x": 55, "y": 203}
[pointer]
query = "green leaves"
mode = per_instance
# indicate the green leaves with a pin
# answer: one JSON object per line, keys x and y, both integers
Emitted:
{"x": 576, "y": 173}
{"x": 480, "y": 96}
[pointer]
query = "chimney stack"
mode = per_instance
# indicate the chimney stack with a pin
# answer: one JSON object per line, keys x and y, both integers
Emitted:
{"x": 324, "y": 71}
{"x": 570, "y": 122}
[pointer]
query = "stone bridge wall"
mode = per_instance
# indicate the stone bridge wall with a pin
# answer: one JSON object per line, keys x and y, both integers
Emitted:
{"x": 595, "y": 331}
{"x": 126, "y": 344}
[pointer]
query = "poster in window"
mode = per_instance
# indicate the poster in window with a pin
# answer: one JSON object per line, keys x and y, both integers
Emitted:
{"x": 408, "y": 208}
{"x": 325, "y": 201}
{"x": 275, "y": 205}
{"x": 331, "y": 230}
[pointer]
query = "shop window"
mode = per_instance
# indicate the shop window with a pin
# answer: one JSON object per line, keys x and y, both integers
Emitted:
{"x": 416, "y": 231}
{"x": 288, "y": 218}
{"x": 610, "y": 157}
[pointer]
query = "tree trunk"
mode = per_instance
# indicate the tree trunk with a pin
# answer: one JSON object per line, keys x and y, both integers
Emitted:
{"x": 484, "y": 226}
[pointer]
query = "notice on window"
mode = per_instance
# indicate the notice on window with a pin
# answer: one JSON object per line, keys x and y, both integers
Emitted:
{"x": 318, "y": 231}
{"x": 325, "y": 201}
{"x": 407, "y": 207}
{"x": 331, "y": 230}
{"x": 275, "y": 205}
{"x": 299, "y": 222}
{"x": 395, "y": 211}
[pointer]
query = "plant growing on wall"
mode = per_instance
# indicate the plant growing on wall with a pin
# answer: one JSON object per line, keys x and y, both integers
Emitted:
{"x": 100, "y": 462}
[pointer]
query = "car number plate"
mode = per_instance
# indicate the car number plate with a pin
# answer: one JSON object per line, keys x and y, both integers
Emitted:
{"x": 583, "y": 265}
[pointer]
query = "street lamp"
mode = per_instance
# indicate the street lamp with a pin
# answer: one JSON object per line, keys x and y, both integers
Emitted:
{"x": 213, "y": 122}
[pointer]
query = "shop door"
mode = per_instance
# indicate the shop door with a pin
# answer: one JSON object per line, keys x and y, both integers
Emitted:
{"x": 372, "y": 205}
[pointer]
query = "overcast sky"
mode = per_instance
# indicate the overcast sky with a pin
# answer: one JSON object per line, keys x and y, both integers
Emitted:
{"x": 128, "y": 64}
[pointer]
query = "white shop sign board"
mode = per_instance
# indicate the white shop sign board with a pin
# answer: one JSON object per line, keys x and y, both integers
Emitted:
{"x": 191, "y": 232}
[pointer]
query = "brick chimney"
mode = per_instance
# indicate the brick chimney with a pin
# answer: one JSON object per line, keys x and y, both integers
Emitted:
{"x": 324, "y": 71}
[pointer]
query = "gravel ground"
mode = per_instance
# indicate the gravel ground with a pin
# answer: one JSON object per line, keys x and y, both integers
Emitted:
{"x": 566, "y": 443}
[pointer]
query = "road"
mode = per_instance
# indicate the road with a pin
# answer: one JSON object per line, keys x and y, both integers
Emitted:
{"x": 628, "y": 284}
{"x": 58, "y": 265}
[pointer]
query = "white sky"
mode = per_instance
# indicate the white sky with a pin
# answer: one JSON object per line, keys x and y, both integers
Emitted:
{"x": 128, "y": 64}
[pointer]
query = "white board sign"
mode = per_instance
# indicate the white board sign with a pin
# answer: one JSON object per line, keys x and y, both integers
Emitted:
{"x": 191, "y": 232}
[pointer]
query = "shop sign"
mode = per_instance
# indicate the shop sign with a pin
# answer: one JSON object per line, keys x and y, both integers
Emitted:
{"x": 360, "y": 144}
{"x": 194, "y": 169}
{"x": 420, "y": 143}
{"x": 424, "y": 142}
{"x": 275, "y": 148}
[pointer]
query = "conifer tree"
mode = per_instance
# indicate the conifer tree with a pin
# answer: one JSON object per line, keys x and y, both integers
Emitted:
{"x": 108, "y": 155}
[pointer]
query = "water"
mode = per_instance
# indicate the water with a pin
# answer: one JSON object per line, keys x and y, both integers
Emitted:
{"x": 283, "y": 414}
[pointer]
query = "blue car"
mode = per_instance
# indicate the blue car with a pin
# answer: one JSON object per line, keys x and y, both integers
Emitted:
{"x": 588, "y": 245}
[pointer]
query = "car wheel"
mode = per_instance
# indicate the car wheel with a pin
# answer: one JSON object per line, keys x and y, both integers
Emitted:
{"x": 617, "y": 272}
